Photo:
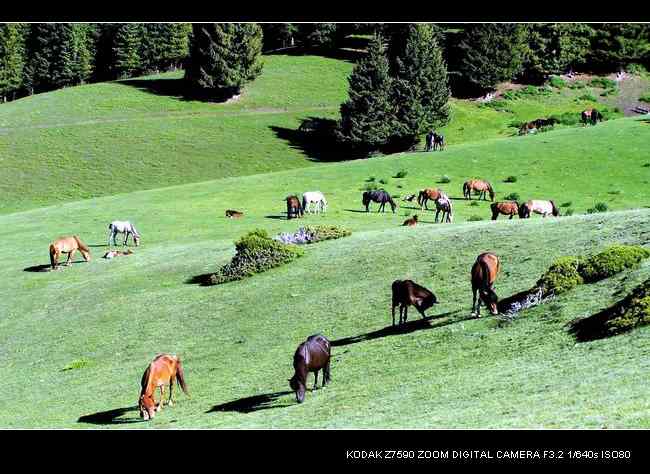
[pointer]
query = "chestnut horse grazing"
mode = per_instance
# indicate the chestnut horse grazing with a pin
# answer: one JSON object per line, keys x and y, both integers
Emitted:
{"x": 480, "y": 186}
{"x": 484, "y": 273}
{"x": 232, "y": 214}
{"x": 429, "y": 194}
{"x": 411, "y": 222}
{"x": 408, "y": 293}
{"x": 508, "y": 208}
{"x": 67, "y": 245}
{"x": 294, "y": 209}
{"x": 544, "y": 208}
{"x": 162, "y": 371}
{"x": 311, "y": 356}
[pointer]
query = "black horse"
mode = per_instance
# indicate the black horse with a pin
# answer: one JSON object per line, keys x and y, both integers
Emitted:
{"x": 311, "y": 356}
{"x": 294, "y": 208}
{"x": 592, "y": 116}
{"x": 438, "y": 142}
{"x": 380, "y": 196}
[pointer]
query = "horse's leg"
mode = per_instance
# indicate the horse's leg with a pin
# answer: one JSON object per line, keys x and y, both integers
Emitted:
{"x": 170, "y": 402}
{"x": 406, "y": 313}
{"x": 326, "y": 373}
{"x": 438, "y": 212}
{"x": 474, "y": 300}
{"x": 68, "y": 261}
{"x": 392, "y": 310}
{"x": 315, "y": 380}
{"x": 162, "y": 398}
{"x": 126, "y": 237}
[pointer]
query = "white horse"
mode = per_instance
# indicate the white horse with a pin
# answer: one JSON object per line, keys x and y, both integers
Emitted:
{"x": 315, "y": 197}
{"x": 443, "y": 204}
{"x": 122, "y": 227}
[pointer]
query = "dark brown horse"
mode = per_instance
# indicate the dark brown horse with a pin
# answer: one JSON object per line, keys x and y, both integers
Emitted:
{"x": 67, "y": 245}
{"x": 408, "y": 293}
{"x": 591, "y": 116}
{"x": 480, "y": 186}
{"x": 537, "y": 124}
{"x": 411, "y": 222}
{"x": 294, "y": 208}
{"x": 311, "y": 356}
{"x": 232, "y": 214}
{"x": 162, "y": 371}
{"x": 484, "y": 273}
{"x": 380, "y": 196}
{"x": 507, "y": 208}
{"x": 429, "y": 194}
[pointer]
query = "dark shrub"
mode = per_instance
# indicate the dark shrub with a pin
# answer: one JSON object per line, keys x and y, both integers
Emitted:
{"x": 603, "y": 83}
{"x": 568, "y": 211}
{"x": 475, "y": 218}
{"x": 256, "y": 253}
{"x": 474, "y": 203}
{"x": 383, "y": 181}
{"x": 588, "y": 97}
{"x": 512, "y": 197}
{"x": 612, "y": 260}
{"x": 566, "y": 204}
{"x": 629, "y": 313}
{"x": 510, "y": 179}
{"x": 401, "y": 174}
{"x": 561, "y": 276}
{"x": 445, "y": 179}
{"x": 557, "y": 82}
{"x": 568, "y": 118}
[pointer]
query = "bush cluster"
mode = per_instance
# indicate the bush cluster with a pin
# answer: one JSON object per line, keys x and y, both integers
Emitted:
{"x": 612, "y": 260}
{"x": 557, "y": 82}
{"x": 510, "y": 179}
{"x": 401, "y": 174}
{"x": 561, "y": 276}
{"x": 512, "y": 197}
{"x": 528, "y": 91}
{"x": 256, "y": 252}
{"x": 445, "y": 179}
{"x": 603, "y": 83}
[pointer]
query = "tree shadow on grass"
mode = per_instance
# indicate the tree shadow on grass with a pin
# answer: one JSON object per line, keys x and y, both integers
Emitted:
{"x": 251, "y": 404}
{"x": 398, "y": 330}
{"x": 110, "y": 417}
{"x": 177, "y": 88}
{"x": 351, "y": 52}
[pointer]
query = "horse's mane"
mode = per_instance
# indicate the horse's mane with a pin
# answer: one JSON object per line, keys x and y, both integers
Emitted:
{"x": 80, "y": 244}
{"x": 145, "y": 380}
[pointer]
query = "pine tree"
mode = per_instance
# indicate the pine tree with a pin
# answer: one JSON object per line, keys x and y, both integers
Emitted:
{"x": 126, "y": 50}
{"x": 398, "y": 35}
{"x": 492, "y": 53}
{"x": 367, "y": 118}
{"x": 420, "y": 86}
{"x": 151, "y": 47}
{"x": 176, "y": 37}
{"x": 224, "y": 57}
{"x": 12, "y": 59}
{"x": 278, "y": 35}
{"x": 318, "y": 35}
{"x": 48, "y": 57}
{"x": 615, "y": 45}
{"x": 554, "y": 47}
{"x": 83, "y": 51}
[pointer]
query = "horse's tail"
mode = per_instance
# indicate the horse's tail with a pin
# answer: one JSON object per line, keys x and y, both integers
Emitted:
{"x": 52, "y": 253}
{"x": 490, "y": 190}
{"x": 465, "y": 189}
{"x": 495, "y": 210}
{"x": 304, "y": 202}
{"x": 556, "y": 211}
{"x": 420, "y": 197}
{"x": 80, "y": 244}
{"x": 144, "y": 382}
{"x": 135, "y": 231}
{"x": 180, "y": 376}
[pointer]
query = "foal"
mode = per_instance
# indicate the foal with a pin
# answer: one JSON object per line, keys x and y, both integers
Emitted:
{"x": 408, "y": 293}
{"x": 311, "y": 356}
{"x": 232, "y": 214}
{"x": 411, "y": 222}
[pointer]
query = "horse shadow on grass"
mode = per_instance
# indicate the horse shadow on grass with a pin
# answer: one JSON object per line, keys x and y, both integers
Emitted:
{"x": 252, "y": 404}
{"x": 406, "y": 328}
{"x": 46, "y": 267}
{"x": 110, "y": 417}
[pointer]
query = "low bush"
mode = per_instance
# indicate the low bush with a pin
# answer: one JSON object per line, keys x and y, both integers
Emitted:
{"x": 256, "y": 252}
{"x": 568, "y": 211}
{"x": 577, "y": 85}
{"x": 512, "y": 197}
{"x": 645, "y": 98}
{"x": 498, "y": 105}
{"x": 568, "y": 118}
{"x": 636, "y": 68}
{"x": 311, "y": 234}
{"x": 599, "y": 207}
{"x": 383, "y": 181}
{"x": 475, "y": 218}
{"x": 631, "y": 312}
{"x": 611, "y": 261}
{"x": 557, "y": 82}
{"x": 603, "y": 83}
{"x": 369, "y": 187}
{"x": 474, "y": 203}
{"x": 587, "y": 97}
{"x": 371, "y": 179}
{"x": 445, "y": 179}
{"x": 77, "y": 364}
{"x": 561, "y": 276}
{"x": 510, "y": 179}
{"x": 566, "y": 204}
{"x": 401, "y": 174}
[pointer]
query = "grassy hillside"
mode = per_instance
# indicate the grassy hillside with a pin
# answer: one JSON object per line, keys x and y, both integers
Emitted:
{"x": 123, "y": 136}
{"x": 84, "y": 335}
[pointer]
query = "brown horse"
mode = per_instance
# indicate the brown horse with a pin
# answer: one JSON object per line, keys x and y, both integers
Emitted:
{"x": 591, "y": 116}
{"x": 294, "y": 208}
{"x": 429, "y": 194}
{"x": 545, "y": 208}
{"x": 480, "y": 186}
{"x": 408, "y": 293}
{"x": 507, "y": 208}
{"x": 411, "y": 222}
{"x": 67, "y": 245}
{"x": 311, "y": 356}
{"x": 484, "y": 273}
{"x": 232, "y": 214}
{"x": 162, "y": 371}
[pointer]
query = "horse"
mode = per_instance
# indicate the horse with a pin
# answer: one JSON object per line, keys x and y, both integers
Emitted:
{"x": 408, "y": 293}
{"x": 310, "y": 356}
{"x": 315, "y": 197}
{"x": 484, "y": 273}
{"x": 508, "y": 208}
{"x": 544, "y": 208}
{"x": 429, "y": 194}
{"x": 477, "y": 185}
{"x": 429, "y": 141}
{"x": 438, "y": 142}
{"x": 537, "y": 124}
{"x": 411, "y": 222}
{"x": 592, "y": 116}
{"x": 380, "y": 196}
{"x": 294, "y": 209}
{"x": 409, "y": 198}
{"x": 162, "y": 371}
{"x": 443, "y": 204}
{"x": 232, "y": 214}
{"x": 123, "y": 227}
{"x": 67, "y": 245}
{"x": 116, "y": 253}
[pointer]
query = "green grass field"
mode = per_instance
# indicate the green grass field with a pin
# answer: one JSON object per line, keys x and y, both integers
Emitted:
{"x": 74, "y": 343}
